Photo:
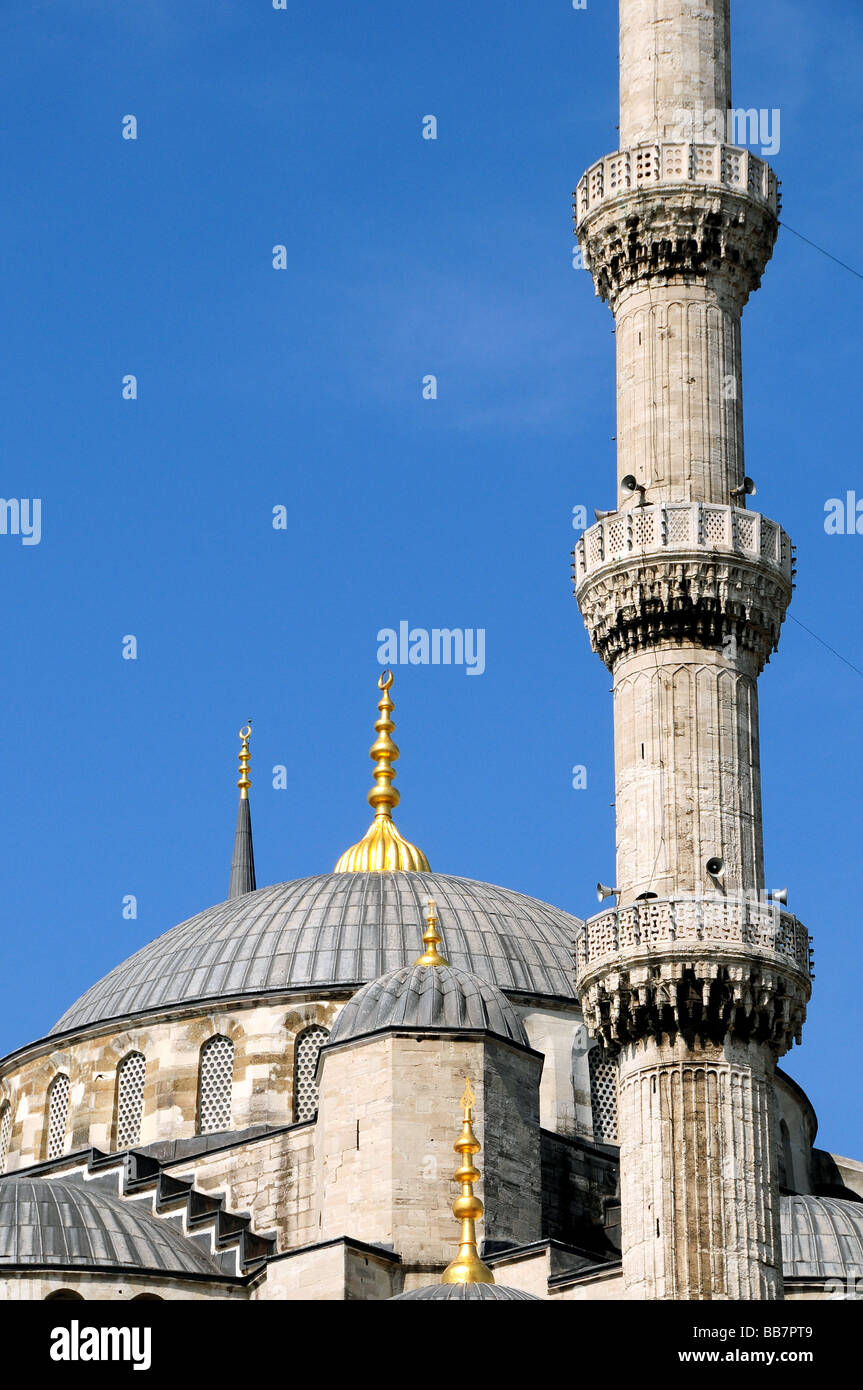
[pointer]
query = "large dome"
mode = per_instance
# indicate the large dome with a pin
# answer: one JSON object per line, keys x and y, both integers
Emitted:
{"x": 338, "y": 930}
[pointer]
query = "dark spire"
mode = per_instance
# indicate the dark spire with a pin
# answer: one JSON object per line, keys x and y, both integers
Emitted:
{"x": 243, "y": 861}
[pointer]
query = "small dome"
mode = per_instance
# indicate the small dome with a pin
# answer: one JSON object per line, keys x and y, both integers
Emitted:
{"x": 822, "y": 1237}
{"x": 66, "y": 1224}
{"x": 488, "y": 1293}
{"x": 428, "y": 996}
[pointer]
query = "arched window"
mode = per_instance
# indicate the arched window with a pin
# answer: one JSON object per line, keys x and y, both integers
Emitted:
{"x": 603, "y": 1095}
{"x": 5, "y": 1131}
{"x": 306, "y": 1049}
{"x": 58, "y": 1113}
{"x": 215, "y": 1085}
{"x": 66, "y": 1294}
{"x": 130, "y": 1100}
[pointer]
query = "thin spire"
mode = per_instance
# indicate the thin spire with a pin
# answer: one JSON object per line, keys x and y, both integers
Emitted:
{"x": 382, "y": 847}
{"x": 431, "y": 939}
{"x": 467, "y": 1267}
{"x": 243, "y": 861}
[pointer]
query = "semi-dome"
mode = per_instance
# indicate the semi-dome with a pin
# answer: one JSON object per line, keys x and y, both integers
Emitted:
{"x": 52, "y": 1223}
{"x": 822, "y": 1237}
{"x": 467, "y": 1293}
{"x": 428, "y": 996}
{"x": 338, "y": 930}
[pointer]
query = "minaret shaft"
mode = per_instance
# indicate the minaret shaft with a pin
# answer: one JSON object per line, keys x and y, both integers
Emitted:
{"x": 675, "y": 55}
{"x": 699, "y": 1167}
{"x": 693, "y": 980}
{"x": 687, "y": 773}
{"x": 679, "y": 392}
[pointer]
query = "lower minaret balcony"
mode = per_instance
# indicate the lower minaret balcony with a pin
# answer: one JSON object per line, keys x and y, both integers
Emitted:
{"x": 683, "y": 571}
{"x": 701, "y": 968}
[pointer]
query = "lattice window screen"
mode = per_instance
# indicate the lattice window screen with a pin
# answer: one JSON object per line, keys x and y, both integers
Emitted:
{"x": 58, "y": 1112}
{"x": 216, "y": 1085}
{"x": 306, "y": 1049}
{"x": 603, "y": 1095}
{"x": 5, "y": 1131}
{"x": 130, "y": 1099}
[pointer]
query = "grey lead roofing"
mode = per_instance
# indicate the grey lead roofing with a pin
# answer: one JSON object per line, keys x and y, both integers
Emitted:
{"x": 339, "y": 929}
{"x": 428, "y": 996}
{"x": 822, "y": 1237}
{"x": 467, "y": 1293}
{"x": 242, "y": 878}
{"x": 68, "y": 1224}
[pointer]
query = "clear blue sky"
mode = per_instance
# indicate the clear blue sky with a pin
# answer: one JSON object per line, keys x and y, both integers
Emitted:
{"x": 302, "y": 388}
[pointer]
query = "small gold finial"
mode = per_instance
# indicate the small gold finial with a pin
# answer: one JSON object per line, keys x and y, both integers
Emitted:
{"x": 245, "y": 782}
{"x": 467, "y": 1267}
{"x": 431, "y": 939}
{"x": 382, "y": 847}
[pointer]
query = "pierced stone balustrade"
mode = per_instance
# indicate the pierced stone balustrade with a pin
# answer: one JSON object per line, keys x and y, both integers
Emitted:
{"x": 684, "y": 526}
{"x": 676, "y": 163}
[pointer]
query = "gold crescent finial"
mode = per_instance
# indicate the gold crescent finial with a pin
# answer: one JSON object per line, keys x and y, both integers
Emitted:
{"x": 468, "y": 1100}
{"x": 467, "y": 1267}
{"x": 431, "y": 939}
{"x": 244, "y": 783}
{"x": 382, "y": 847}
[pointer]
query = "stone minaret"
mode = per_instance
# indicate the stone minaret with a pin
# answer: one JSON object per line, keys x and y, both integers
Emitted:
{"x": 695, "y": 980}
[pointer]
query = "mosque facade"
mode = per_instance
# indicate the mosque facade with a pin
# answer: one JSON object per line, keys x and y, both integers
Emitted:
{"x": 264, "y": 1102}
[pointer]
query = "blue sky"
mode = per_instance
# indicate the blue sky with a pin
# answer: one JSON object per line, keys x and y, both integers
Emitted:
{"x": 301, "y": 388}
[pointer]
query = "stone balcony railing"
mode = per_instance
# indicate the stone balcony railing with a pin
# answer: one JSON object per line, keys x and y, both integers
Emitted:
{"x": 676, "y": 163}
{"x": 683, "y": 526}
{"x": 660, "y": 924}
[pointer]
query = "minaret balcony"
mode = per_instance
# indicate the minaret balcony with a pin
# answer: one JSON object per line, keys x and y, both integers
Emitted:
{"x": 683, "y": 571}
{"x": 676, "y": 164}
{"x": 694, "y": 965}
{"x": 667, "y": 213}
{"x": 683, "y": 526}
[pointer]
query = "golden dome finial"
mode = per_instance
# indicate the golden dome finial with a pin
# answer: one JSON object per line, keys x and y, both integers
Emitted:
{"x": 245, "y": 782}
{"x": 431, "y": 939}
{"x": 467, "y": 1267}
{"x": 382, "y": 847}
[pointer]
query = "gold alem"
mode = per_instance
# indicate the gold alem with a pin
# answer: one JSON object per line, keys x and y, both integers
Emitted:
{"x": 467, "y": 1267}
{"x": 431, "y": 939}
{"x": 245, "y": 781}
{"x": 382, "y": 847}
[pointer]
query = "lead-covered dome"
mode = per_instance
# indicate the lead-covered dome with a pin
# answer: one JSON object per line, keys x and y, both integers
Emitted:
{"x": 429, "y": 997}
{"x": 67, "y": 1224}
{"x": 822, "y": 1237}
{"x": 338, "y": 930}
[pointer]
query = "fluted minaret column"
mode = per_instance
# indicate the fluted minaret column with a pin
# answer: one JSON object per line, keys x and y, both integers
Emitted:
{"x": 693, "y": 980}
